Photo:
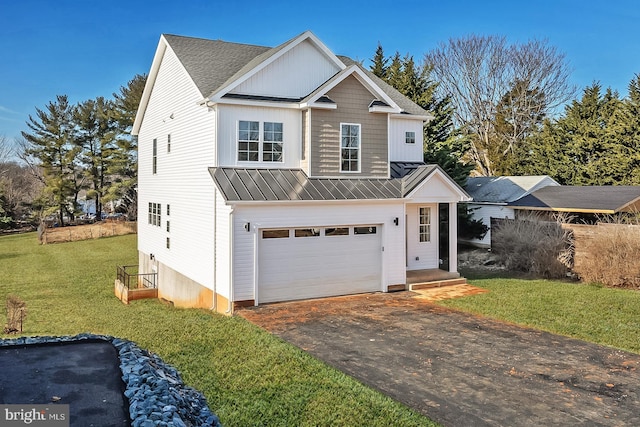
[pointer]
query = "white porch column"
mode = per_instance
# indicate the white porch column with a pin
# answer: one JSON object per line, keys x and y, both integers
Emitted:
{"x": 453, "y": 237}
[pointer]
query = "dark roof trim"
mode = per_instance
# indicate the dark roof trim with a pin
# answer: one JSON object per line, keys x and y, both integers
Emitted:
{"x": 260, "y": 98}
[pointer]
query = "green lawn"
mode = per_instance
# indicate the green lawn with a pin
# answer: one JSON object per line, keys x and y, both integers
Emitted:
{"x": 248, "y": 376}
{"x": 589, "y": 312}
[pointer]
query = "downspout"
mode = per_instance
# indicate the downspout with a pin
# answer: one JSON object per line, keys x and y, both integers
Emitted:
{"x": 230, "y": 305}
{"x": 215, "y": 248}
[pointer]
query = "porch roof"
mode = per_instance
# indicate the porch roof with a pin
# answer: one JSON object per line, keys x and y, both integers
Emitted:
{"x": 243, "y": 184}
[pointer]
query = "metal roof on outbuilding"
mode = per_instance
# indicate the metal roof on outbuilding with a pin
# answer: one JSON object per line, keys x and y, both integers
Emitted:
{"x": 606, "y": 199}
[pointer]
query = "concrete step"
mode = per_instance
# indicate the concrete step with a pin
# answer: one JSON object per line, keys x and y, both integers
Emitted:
{"x": 438, "y": 283}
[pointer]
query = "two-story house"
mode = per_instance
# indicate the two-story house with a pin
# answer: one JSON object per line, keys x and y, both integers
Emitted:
{"x": 273, "y": 174}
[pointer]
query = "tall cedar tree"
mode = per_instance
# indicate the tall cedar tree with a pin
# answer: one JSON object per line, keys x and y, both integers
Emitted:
{"x": 123, "y": 167}
{"x": 443, "y": 144}
{"x": 50, "y": 143}
{"x": 595, "y": 142}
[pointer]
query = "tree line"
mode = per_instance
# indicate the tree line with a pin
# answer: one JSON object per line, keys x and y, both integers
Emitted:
{"x": 76, "y": 149}
{"x": 498, "y": 108}
{"x": 509, "y": 109}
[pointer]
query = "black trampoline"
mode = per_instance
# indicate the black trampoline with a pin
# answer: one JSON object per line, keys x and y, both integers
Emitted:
{"x": 83, "y": 374}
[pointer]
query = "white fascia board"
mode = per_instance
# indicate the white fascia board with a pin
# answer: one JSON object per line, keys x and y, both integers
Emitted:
{"x": 462, "y": 195}
{"x": 318, "y": 105}
{"x": 425, "y": 118}
{"x": 250, "y": 102}
{"x": 148, "y": 87}
{"x": 381, "y": 109}
{"x": 307, "y": 35}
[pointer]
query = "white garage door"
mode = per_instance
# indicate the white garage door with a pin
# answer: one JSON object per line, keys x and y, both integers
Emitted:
{"x": 300, "y": 263}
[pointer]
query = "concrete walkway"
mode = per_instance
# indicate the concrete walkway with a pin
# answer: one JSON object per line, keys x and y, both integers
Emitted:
{"x": 459, "y": 369}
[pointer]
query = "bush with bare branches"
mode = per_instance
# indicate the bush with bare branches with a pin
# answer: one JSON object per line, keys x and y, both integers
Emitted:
{"x": 16, "y": 312}
{"x": 541, "y": 248}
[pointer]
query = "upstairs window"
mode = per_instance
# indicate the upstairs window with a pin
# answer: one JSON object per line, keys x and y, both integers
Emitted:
{"x": 154, "y": 164}
{"x": 252, "y": 148}
{"x": 272, "y": 142}
{"x": 410, "y": 137}
{"x": 349, "y": 147}
{"x": 248, "y": 141}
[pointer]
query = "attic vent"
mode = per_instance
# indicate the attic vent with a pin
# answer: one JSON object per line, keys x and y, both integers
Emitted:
{"x": 378, "y": 103}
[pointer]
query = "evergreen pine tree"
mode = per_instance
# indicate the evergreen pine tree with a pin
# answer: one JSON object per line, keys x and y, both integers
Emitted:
{"x": 50, "y": 143}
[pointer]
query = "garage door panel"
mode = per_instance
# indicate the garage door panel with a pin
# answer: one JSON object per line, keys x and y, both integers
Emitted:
{"x": 318, "y": 266}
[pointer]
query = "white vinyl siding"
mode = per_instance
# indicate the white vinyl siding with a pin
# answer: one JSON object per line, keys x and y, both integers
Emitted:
{"x": 183, "y": 178}
{"x": 229, "y": 117}
{"x": 312, "y": 68}
{"x": 399, "y": 150}
{"x": 485, "y": 213}
{"x": 315, "y": 215}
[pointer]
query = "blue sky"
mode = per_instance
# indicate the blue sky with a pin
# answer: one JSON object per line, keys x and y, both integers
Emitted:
{"x": 88, "y": 48}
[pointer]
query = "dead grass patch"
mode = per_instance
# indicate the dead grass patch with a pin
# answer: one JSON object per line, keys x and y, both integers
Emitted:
{"x": 87, "y": 232}
{"x": 610, "y": 255}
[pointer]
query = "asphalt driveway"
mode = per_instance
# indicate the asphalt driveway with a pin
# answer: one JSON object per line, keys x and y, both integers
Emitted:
{"x": 459, "y": 369}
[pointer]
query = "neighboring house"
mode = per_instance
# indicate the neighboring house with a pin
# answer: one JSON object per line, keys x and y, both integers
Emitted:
{"x": 273, "y": 174}
{"x": 580, "y": 200}
{"x": 492, "y": 196}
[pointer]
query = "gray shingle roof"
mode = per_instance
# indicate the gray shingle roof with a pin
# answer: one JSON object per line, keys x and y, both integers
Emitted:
{"x": 504, "y": 189}
{"x": 588, "y": 199}
{"x": 240, "y": 184}
{"x": 212, "y": 64}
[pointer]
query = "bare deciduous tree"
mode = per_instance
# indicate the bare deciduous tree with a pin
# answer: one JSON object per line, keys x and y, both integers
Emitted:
{"x": 486, "y": 77}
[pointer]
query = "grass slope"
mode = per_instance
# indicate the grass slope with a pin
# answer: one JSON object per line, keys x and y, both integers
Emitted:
{"x": 589, "y": 312}
{"x": 249, "y": 377}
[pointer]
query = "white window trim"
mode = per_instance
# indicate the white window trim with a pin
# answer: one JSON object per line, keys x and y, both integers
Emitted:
{"x": 406, "y": 137}
{"x": 261, "y": 142}
{"x": 428, "y": 225}
{"x": 359, "y": 147}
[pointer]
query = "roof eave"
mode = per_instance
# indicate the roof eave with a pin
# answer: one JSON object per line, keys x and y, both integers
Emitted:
{"x": 148, "y": 87}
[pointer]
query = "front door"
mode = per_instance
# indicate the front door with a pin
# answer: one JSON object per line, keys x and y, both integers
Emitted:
{"x": 422, "y": 237}
{"x": 443, "y": 236}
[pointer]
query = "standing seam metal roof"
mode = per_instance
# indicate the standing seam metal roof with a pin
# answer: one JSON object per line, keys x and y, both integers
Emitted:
{"x": 240, "y": 184}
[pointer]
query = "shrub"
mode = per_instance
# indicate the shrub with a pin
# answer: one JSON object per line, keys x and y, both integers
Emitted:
{"x": 16, "y": 313}
{"x": 611, "y": 256}
{"x": 541, "y": 248}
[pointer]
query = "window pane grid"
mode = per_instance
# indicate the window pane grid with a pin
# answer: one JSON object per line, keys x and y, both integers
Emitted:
{"x": 350, "y": 148}
{"x": 425, "y": 224}
{"x": 248, "y": 140}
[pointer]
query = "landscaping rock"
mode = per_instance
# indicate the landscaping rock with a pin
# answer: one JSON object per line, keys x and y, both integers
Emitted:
{"x": 156, "y": 393}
